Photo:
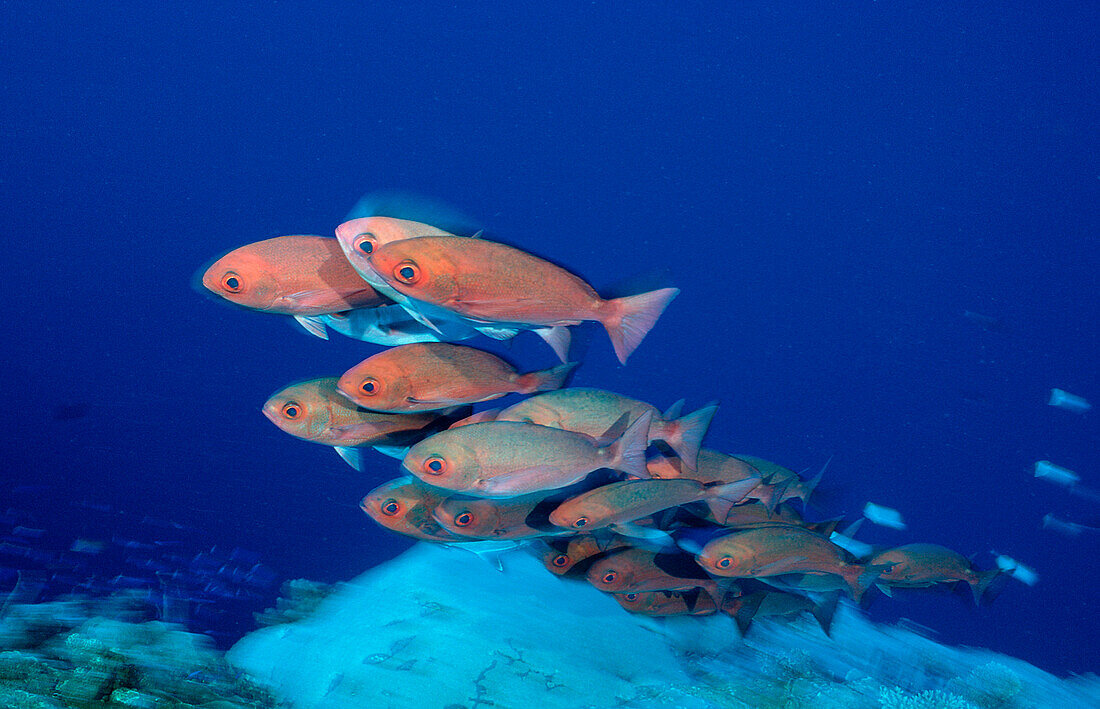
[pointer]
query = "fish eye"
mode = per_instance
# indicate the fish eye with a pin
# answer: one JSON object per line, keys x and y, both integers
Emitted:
{"x": 292, "y": 410}
{"x": 724, "y": 562}
{"x": 407, "y": 272}
{"x": 560, "y": 560}
{"x": 342, "y": 315}
{"x": 631, "y": 597}
{"x": 232, "y": 282}
{"x": 435, "y": 465}
{"x": 609, "y": 577}
{"x": 391, "y": 507}
{"x": 364, "y": 243}
{"x": 369, "y": 386}
{"x": 464, "y": 519}
{"x": 580, "y": 522}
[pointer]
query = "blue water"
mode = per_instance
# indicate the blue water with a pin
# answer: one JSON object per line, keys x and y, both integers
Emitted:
{"x": 831, "y": 186}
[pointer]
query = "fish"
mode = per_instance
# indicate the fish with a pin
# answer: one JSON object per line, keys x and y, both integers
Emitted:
{"x": 776, "y": 551}
{"x": 298, "y": 275}
{"x": 924, "y": 565}
{"x": 313, "y": 410}
{"x": 390, "y": 326}
{"x": 480, "y": 518}
{"x": 694, "y": 601}
{"x": 714, "y": 467}
{"x": 792, "y": 486}
{"x": 359, "y": 238}
{"x": 617, "y": 504}
{"x": 428, "y": 376}
{"x": 404, "y": 505}
{"x": 636, "y": 569}
{"x": 594, "y": 411}
{"x": 508, "y": 458}
{"x": 580, "y": 549}
{"x": 500, "y": 286}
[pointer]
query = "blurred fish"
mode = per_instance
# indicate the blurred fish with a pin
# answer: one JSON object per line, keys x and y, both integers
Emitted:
{"x": 501, "y": 286}
{"x": 391, "y": 325}
{"x": 1062, "y": 399}
{"x": 924, "y": 565}
{"x": 315, "y": 411}
{"x": 434, "y": 375}
{"x": 594, "y": 411}
{"x": 507, "y": 458}
{"x": 1070, "y": 529}
{"x": 985, "y": 322}
{"x": 295, "y": 275}
{"x": 883, "y": 516}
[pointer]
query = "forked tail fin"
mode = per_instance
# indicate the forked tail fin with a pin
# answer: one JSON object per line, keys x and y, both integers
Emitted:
{"x": 629, "y": 319}
{"x": 685, "y": 435}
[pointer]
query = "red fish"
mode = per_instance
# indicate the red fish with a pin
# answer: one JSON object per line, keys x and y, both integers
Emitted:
{"x": 580, "y": 549}
{"x": 693, "y": 601}
{"x": 481, "y": 518}
{"x": 507, "y": 458}
{"x": 428, "y": 376}
{"x": 492, "y": 283}
{"x": 405, "y": 506}
{"x": 782, "y": 550}
{"x": 292, "y": 275}
{"x": 636, "y": 569}
{"x": 619, "y": 503}
{"x": 315, "y": 411}
{"x": 924, "y": 565}
{"x": 595, "y": 411}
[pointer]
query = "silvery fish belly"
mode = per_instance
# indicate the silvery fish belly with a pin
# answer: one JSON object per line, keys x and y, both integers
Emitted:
{"x": 391, "y": 325}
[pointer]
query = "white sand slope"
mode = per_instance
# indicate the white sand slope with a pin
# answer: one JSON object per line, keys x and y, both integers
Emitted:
{"x": 438, "y": 628}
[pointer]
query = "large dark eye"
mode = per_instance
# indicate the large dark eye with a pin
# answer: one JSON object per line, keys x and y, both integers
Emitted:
{"x": 369, "y": 386}
{"x": 232, "y": 282}
{"x": 292, "y": 410}
{"x": 463, "y": 519}
{"x": 435, "y": 465}
{"x": 560, "y": 560}
{"x": 724, "y": 562}
{"x": 580, "y": 522}
{"x": 407, "y": 272}
{"x": 364, "y": 243}
{"x": 391, "y": 507}
{"x": 609, "y": 577}
{"x": 631, "y": 597}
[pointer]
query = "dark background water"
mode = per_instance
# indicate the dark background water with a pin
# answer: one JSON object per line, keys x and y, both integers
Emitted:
{"x": 831, "y": 187}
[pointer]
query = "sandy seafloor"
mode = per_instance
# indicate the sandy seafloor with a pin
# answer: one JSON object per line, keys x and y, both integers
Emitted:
{"x": 440, "y": 628}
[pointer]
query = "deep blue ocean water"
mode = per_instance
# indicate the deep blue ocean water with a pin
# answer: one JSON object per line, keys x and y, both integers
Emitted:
{"x": 830, "y": 185}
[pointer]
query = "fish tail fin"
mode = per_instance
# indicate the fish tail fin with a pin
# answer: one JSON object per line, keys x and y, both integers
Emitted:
{"x": 685, "y": 434}
{"x": 860, "y": 577}
{"x": 627, "y": 454}
{"x": 546, "y": 379}
{"x": 987, "y": 586}
{"x": 803, "y": 489}
{"x": 743, "y": 609}
{"x": 628, "y": 319}
{"x": 824, "y": 610}
{"x": 721, "y": 497}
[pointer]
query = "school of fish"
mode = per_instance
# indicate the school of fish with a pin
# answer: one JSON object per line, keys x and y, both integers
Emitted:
{"x": 605, "y": 488}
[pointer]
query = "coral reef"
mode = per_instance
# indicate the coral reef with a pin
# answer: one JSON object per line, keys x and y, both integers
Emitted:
{"x": 95, "y": 653}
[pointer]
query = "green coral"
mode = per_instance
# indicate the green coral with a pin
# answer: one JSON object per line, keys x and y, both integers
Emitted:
{"x": 990, "y": 686}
